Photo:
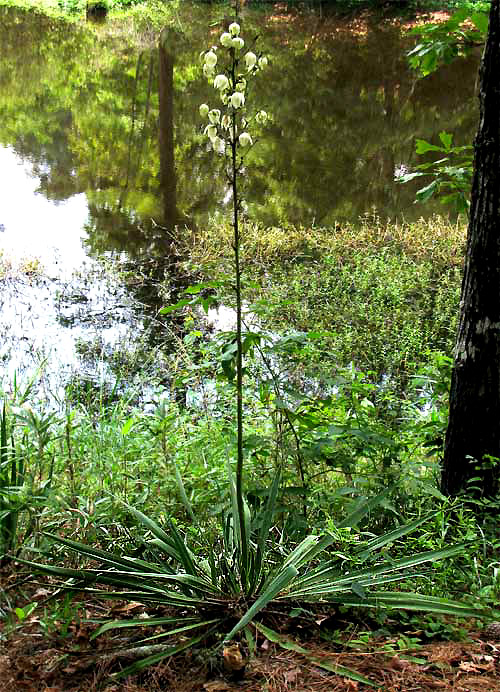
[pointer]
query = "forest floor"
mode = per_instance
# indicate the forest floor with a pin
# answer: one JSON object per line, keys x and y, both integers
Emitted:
{"x": 51, "y": 650}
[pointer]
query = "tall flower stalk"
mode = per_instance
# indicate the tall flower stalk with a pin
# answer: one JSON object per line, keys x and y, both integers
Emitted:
{"x": 229, "y": 68}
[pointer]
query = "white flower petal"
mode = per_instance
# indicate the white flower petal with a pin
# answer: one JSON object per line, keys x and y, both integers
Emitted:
{"x": 261, "y": 117}
{"x": 210, "y": 59}
{"x": 245, "y": 140}
{"x": 221, "y": 82}
{"x": 250, "y": 60}
{"x": 237, "y": 99}
{"x": 214, "y": 115}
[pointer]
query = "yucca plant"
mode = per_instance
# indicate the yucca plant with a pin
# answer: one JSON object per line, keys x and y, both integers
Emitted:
{"x": 217, "y": 601}
{"x": 220, "y": 595}
{"x": 11, "y": 477}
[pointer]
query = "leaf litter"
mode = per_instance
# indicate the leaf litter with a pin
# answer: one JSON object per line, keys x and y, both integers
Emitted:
{"x": 64, "y": 658}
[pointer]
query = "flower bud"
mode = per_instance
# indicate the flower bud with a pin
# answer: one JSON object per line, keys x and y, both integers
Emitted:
{"x": 225, "y": 122}
{"x": 210, "y": 59}
{"x": 221, "y": 82}
{"x": 226, "y": 40}
{"x": 263, "y": 62}
{"x": 214, "y": 116}
{"x": 204, "y": 110}
{"x": 237, "y": 99}
{"x": 250, "y": 60}
{"x": 211, "y": 132}
{"x": 237, "y": 43}
{"x": 208, "y": 71}
{"x": 261, "y": 117}
{"x": 245, "y": 140}
{"x": 234, "y": 29}
{"x": 218, "y": 145}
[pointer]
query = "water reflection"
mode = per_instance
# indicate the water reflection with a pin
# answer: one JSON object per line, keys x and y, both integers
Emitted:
{"x": 123, "y": 125}
{"x": 38, "y": 230}
{"x": 110, "y": 134}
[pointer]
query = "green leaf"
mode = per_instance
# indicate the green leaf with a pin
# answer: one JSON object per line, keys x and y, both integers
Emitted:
{"x": 187, "y": 557}
{"x": 277, "y": 585}
{"x": 381, "y": 541}
{"x": 250, "y": 339}
{"x": 412, "y": 601}
{"x": 23, "y": 613}
{"x": 106, "y": 557}
{"x": 229, "y": 351}
{"x": 204, "y": 285}
{"x": 140, "y": 622}
{"x": 173, "y": 308}
{"x": 480, "y": 21}
{"x": 407, "y": 177}
{"x": 182, "y": 491}
{"x": 358, "y": 590}
{"x": 326, "y": 577}
{"x": 422, "y": 147}
{"x": 127, "y": 426}
{"x": 175, "y": 540}
{"x": 426, "y": 193}
{"x": 156, "y": 658}
{"x": 207, "y": 303}
{"x": 446, "y": 138}
{"x": 267, "y": 522}
{"x": 3, "y": 438}
{"x": 290, "y": 645}
{"x": 199, "y": 584}
{"x": 251, "y": 641}
{"x": 156, "y": 596}
{"x": 307, "y": 550}
{"x": 363, "y": 509}
{"x": 122, "y": 624}
{"x": 457, "y": 18}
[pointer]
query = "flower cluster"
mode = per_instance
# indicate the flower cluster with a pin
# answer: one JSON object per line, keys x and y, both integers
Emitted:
{"x": 228, "y": 70}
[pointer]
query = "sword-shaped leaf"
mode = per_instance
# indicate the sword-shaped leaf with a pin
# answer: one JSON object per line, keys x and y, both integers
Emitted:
{"x": 192, "y": 623}
{"x": 156, "y": 658}
{"x": 107, "y": 557}
{"x": 279, "y": 583}
{"x": 290, "y": 645}
{"x": 381, "y": 541}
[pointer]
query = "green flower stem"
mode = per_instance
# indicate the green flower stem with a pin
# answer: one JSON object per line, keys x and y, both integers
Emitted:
{"x": 239, "y": 352}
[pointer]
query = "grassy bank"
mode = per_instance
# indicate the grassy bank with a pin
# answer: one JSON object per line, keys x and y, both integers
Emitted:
{"x": 383, "y": 295}
{"x": 152, "y": 14}
{"x": 346, "y": 389}
{"x": 350, "y": 326}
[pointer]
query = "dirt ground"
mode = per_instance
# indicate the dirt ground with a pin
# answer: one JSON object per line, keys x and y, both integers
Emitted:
{"x": 51, "y": 651}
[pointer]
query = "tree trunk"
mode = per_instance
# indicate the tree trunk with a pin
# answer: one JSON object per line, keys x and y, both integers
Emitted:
{"x": 473, "y": 434}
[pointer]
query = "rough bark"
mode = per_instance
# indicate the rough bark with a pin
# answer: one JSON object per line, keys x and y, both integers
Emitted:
{"x": 474, "y": 423}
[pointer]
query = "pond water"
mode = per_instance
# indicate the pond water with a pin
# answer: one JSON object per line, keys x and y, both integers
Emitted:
{"x": 102, "y": 160}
